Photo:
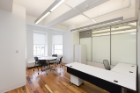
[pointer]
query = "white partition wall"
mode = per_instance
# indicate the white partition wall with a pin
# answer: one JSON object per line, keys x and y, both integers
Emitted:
{"x": 114, "y": 43}
{"x": 123, "y": 43}
{"x": 87, "y": 42}
{"x": 80, "y": 53}
{"x": 101, "y": 48}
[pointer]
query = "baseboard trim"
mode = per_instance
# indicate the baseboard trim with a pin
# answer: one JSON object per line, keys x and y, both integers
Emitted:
{"x": 3, "y": 90}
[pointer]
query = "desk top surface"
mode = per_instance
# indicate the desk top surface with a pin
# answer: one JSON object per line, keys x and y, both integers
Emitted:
{"x": 47, "y": 58}
{"x": 127, "y": 80}
{"x": 125, "y": 68}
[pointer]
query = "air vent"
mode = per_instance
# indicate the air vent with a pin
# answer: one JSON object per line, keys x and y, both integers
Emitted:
{"x": 88, "y": 33}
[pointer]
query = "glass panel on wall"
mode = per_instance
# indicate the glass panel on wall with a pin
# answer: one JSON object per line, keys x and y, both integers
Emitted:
{"x": 101, "y": 44}
{"x": 87, "y": 42}
{"x": 123, "y": 43}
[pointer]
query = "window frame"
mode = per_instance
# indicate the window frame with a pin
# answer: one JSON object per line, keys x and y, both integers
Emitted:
{"x": 36, "y": 49}
{"x": 57, "y": 49}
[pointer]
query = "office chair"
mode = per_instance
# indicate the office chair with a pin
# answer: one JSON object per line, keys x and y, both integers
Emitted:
{"x": 39, "y": 63}
{"x": 59, "y": 62}
{"x": 54, "y": 55}
{"x": 106, "y": 64}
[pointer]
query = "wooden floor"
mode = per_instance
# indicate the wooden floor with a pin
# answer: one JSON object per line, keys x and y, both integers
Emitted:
{"x": 56, "y": 81}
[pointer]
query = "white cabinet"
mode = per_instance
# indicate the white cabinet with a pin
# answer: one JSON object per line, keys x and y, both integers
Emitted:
{"x": 80, "y": 53}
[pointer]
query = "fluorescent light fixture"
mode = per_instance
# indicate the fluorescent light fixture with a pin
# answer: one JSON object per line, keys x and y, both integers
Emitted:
{"x": 107, "y": 30}
{"x": 57, "y": 5}
{"x": 49, "y": 10}
{"x": 133, "y": 24}
{"x": 101, "y": 34}
{"x": 42, "y": 17}
{"x": 121, "y": 32}
{"x": 119, "y": 28}
{"x": 112, "y": 29}
{"x": 129, "y": 31}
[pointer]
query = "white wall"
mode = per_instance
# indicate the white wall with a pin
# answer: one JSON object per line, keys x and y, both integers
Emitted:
{"x": 70, "y": 39}
{"x": 29, "y": 45}
{"x": 12, "y": 38}
{"x": 68, "y": 47}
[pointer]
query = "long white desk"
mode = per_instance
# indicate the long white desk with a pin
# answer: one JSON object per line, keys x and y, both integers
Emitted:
{"x": 120, "y": 75}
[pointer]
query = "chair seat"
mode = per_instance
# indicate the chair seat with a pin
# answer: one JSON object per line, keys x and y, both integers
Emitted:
{"x": 57, "y": 61}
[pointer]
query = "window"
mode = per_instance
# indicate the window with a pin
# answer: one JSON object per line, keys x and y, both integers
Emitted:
{"x": 39, "y": 44}
{"x": 39, "y": 50}
{"x": 58, "y": 44}
{"x": 58, "y": 49}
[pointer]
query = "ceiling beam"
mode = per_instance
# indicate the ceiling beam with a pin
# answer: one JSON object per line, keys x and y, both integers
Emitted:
{"x": 71, "y": 13}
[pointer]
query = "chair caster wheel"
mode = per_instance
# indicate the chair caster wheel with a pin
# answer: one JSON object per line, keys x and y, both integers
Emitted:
{"x": 38, "y": 73}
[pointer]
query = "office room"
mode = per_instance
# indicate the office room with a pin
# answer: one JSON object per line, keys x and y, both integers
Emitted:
{"x": 69, "y": 46}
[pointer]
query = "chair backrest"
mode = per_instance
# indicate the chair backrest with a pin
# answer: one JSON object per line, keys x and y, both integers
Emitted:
{"x": 36, "y": 60}
{"x": 106, "y": 64}
{"x": 54, "y": 55}
{"x": 60, "y": 60}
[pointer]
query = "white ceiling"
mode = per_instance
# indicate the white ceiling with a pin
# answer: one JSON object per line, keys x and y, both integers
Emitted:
{"x": 96, "y": 11}
{"x": 72, "y": 13}
{"x": 34, "y": 7}
{"x": 6, "y": 5}
{"x": 37, "y": 7}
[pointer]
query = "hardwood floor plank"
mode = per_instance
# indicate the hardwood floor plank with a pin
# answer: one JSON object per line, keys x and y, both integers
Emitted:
{"x": 48, "y": 88}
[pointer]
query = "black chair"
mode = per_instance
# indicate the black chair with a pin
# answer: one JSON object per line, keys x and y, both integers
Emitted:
{"x": 39, "y": 63}
{"x": 59, "y": 62}
{"x": 106, "y": 64}
{"x": 52, "y": 61}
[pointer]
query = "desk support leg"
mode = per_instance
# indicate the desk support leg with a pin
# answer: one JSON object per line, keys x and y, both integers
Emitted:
{"x": 75, "y": 80}
{"x": 124, "y": 90}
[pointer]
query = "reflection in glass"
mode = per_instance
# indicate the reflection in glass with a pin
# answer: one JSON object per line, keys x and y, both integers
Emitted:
{"x": 87, "y": 42}
{"x": 123, "y": 43}
{"x": 101, "y": 44}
